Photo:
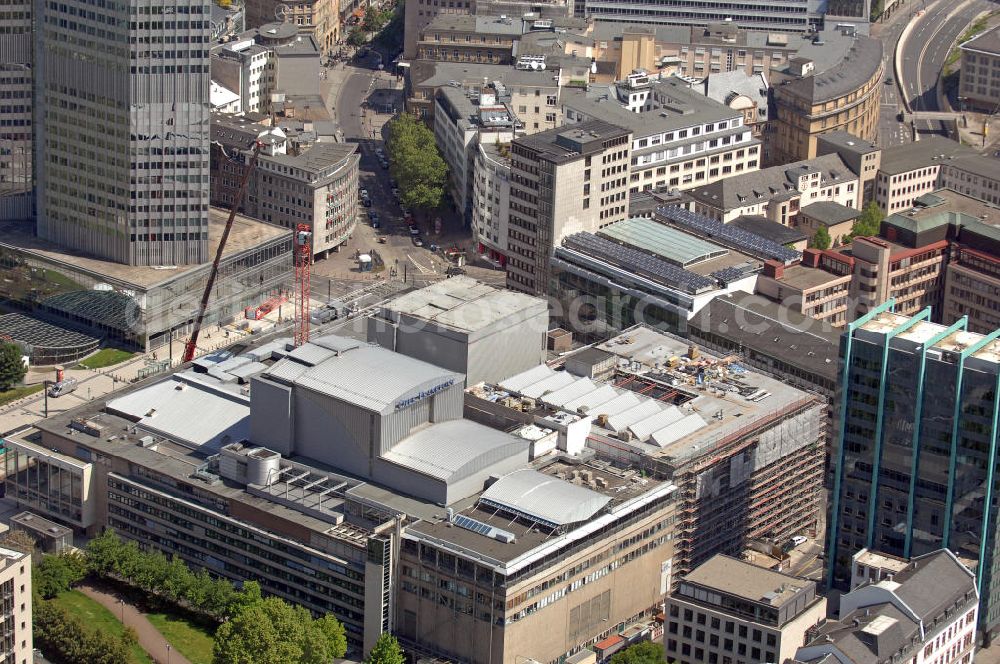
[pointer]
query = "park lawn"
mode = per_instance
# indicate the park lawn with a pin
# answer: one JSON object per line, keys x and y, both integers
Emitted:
{"x": 193, "y": 641}
{"x": 16, "y": 393}
{"x": 97, "y": 617}
{"x": 105, "y": 357}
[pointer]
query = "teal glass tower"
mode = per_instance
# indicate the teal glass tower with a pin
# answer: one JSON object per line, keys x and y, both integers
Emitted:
{"x": 915, "y": 464}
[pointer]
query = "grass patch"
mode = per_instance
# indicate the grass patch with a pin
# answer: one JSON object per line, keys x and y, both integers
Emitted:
{"x": 190, "y": 639}
{"x": 95, "y": 616}
{"x": 18, "y": 392}
{"x": 105, "y": 357}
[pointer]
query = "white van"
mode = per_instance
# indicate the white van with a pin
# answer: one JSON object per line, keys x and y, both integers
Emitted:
{"x": 62, "y": 387}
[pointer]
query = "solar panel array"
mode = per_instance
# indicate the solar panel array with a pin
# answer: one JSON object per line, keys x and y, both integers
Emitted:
{"x": 638, "y": 262}
{"x": 743, "y": 240}
{"x": 731, "y": 273}
{"x": 471, "y": 524}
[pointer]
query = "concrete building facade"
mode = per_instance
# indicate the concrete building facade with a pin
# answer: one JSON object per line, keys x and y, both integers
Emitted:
{"x": 562, "y": 181}
{"x": 16, "y": 56}
{"x": 819, "y": 91}
{"x": 473, "y": 329}
{"x": 491, "y": 201}
{"x": 680, "y": 139}
{"x": 16, "y": 645}
{"x": 779, "y": 192}
{"x": 728, "y": 609}
{"x": 980, "y": 59}
{"x": 123, "y": 145}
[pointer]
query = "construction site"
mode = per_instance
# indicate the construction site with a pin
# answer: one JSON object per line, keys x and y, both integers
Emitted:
{"x": 744, "y": 450}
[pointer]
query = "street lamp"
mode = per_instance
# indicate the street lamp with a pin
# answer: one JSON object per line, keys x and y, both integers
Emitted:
{"x": 122, "y": 602}
{"x": 168, "y": 653}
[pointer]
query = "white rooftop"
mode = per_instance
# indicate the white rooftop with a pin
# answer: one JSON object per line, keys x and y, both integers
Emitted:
{"x": 454, "y": 449}
{"x": 193, "y": 409}
{"x": 541, "y": 497}
{"x": 464, "y": 304}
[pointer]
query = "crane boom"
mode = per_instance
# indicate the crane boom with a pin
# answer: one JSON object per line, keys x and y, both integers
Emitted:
{"x": 192, "y": 343}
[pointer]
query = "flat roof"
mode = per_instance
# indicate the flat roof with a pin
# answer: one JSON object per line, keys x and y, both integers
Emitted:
{"x": 672, "y": 244}
{"x": 625, "y": 489}
{"x": 767, "y": 328}
{"x": 464, "y": 304}
{"x": 928, "y": 151}
{"x": 747, "y": 581}
{"x": 830, "y": 213}
{"x": 246, "y": 234}
{"x": 802, "y": 277}
{"x": 369, "y": 377}
{"x": 767, "y": 229}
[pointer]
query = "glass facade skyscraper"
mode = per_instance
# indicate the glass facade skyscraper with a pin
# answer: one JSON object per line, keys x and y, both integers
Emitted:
{"x": 122, "y": 128}
{"x": 915, "y": 466}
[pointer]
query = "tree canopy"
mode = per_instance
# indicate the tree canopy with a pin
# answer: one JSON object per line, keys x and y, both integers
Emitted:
{"x": 272, "y": 631}
{"x": 415, "y": 163}
{"x": 644, "y": 652}
{"x": 821, "y": 239}
{"x": 869, "y": 222}
{"x": 356, "y": 37}
{"x": 386, "y": 651}
{"x": 12, "y": 369}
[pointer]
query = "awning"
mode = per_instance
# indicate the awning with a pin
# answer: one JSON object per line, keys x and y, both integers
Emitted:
{"x": 360, "y": 13}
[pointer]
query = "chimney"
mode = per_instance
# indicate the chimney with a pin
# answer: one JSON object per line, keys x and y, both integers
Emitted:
{"x": 774, "y": 269}
{"x": 810, "y": 257}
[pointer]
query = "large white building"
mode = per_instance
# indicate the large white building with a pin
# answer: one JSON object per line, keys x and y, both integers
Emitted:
{"x": 680, "y": 139}
{"x": 15, "y": 611}
{"x": 491, "y": 201}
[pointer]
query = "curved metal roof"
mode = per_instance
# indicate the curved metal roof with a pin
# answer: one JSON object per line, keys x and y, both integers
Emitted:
{"x": 540, "y": 497}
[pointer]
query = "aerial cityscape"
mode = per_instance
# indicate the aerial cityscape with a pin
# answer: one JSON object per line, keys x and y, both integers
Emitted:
{"x": 499, "y": 332}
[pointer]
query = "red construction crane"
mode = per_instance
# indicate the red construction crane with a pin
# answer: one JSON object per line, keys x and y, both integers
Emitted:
{"x": 303, "y": 261}
{"x": 192, "y": 343}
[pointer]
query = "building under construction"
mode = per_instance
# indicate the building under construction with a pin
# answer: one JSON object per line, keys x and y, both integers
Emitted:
{"x": 744, "y": 450}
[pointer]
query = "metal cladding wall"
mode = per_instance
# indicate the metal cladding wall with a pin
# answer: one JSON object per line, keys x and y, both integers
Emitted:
{"x": 499, "y": 351}
{"x": 271, "y": 415}
{"x": 398, "y": 424}
{"x": 507, "y": 350}
{"x": 333, "y": 432}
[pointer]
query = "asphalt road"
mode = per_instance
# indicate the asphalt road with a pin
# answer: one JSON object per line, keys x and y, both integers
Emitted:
{"x": 926, "y": 49}
{"x": 891, "y": 131}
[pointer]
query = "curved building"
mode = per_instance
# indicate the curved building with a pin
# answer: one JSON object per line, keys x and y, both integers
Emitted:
{"x": 810, "y": 100}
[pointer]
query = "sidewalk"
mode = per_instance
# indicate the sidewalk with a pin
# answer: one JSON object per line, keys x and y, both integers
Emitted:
{"x": 150, "y": 638}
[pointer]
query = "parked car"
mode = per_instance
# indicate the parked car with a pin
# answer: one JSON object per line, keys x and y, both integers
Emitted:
{"x": 417, "y": 242}
{"x": 383, "y": 163}
{"x": 367, "y": 202}
{"x": 414, "y": 231}
{"x": 363, "y": 193}
{"x": 798, "y": 540}
{"x": 65, "y": 386}
{"x": 372, "y": 215}
{"x": 454, "y": 271}
{"x": 395, "y": 193}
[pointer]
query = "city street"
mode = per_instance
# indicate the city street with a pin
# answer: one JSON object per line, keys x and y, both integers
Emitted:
{"x": 925, "y": 50}
{"x": 358, "y": 95}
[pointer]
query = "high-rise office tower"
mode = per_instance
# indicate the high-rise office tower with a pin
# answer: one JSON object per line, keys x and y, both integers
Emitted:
{"x": 122, "y": 128}
{"x": 15, "y": 109}
{"x": 915, "y": 466}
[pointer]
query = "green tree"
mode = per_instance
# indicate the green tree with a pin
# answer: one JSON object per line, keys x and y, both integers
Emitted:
{"x": 57, "y": 574}
{"x": 357, "y": 37}
{"x": 12, "y": 369}
{"x": 64, "y": 638}
{"x": 385, "y": 651}
{"x": 104, "y": 553}
{"x": 869, "y": 222}
{"x": 375, "y": 19}
{"x": 821, "y": 239}
{"x": 416, "y": 163}
{"x": 272, "y": 631}
{"x": 645, "y": 652}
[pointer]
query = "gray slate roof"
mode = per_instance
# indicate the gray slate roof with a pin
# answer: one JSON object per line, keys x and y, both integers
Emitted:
{"x": 771, "y": 230}
{"x": 925, "y": 152}
{"x": 851, "y": 69}
{"x": 687, "y": 108}
{"x": 830, "y": 213}
{"x": 777, "y": 182}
